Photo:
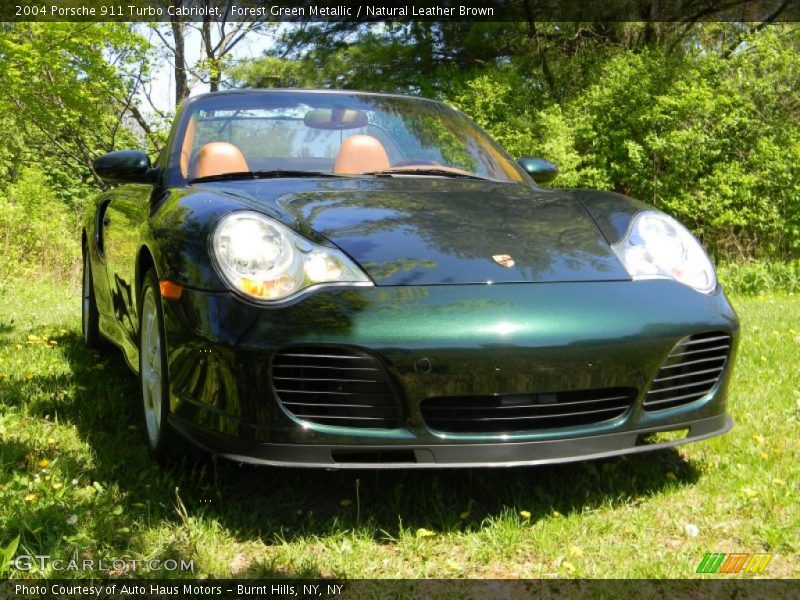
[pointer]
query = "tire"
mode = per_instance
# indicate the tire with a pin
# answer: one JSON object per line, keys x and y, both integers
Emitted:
{"x": 90, "y": 317}
{"x": 153, "y": 376}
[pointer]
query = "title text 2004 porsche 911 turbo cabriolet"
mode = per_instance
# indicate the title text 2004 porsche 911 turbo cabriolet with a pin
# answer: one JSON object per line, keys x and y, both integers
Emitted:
{"x": 348, "y": 279}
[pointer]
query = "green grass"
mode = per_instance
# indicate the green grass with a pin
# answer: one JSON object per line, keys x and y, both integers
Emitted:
{"x": 75, "y": 481}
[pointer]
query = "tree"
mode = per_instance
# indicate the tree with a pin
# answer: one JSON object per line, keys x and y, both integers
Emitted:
{"x": 403, "y": 57}
{"x": 65, "y": 89}
{"x": 218, "y": 39}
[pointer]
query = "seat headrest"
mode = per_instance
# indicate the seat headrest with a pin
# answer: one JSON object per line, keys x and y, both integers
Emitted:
{"x": 360, "y": 154}
{"x": 218, "y": 158}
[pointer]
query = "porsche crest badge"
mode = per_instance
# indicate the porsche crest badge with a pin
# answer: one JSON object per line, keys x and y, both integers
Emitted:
{"x": 504, "y": 260}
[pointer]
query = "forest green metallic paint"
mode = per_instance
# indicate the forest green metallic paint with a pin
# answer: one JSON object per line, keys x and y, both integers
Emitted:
{"x": 505, "y": 338}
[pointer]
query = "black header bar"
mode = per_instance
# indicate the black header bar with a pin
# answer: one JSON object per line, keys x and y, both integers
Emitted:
{"x": 411, "y": 10}
{"x": 328, "y": 589}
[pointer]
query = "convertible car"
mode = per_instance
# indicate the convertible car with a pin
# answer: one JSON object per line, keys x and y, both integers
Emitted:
{"x": 350, "y": 280}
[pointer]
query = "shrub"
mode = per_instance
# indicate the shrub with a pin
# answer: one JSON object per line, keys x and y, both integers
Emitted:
{"x": 712, "y": 140}
{"x": 40, "y": 235}
{"x": 753, "y": 278}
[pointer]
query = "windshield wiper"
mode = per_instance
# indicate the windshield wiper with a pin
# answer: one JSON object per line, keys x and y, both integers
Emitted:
{"x": 273, "y": 174}
{"x": 439, "y": 172}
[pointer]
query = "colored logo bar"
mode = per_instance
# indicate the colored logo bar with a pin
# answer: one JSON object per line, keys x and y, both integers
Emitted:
{"x": 736, "y": 562}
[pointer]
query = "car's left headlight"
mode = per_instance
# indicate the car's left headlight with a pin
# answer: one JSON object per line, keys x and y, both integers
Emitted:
{"x": 658, "y": 246}
{"x": 267, "y": 261}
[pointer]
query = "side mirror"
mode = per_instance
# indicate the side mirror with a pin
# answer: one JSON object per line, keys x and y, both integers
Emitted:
{"x": 125, "y": 166}
{"x": 540, "y": 169}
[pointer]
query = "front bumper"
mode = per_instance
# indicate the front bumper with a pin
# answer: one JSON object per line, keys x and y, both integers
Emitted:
{"x": 448, "y": 455}
{"x": 439, "y": 341}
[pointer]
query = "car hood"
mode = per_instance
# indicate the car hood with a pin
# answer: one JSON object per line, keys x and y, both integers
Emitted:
{"x": 428, "y": 231}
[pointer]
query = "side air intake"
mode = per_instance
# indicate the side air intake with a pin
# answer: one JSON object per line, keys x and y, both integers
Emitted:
{"x": 690, "y": 371}
{"x": 335, "y": 385}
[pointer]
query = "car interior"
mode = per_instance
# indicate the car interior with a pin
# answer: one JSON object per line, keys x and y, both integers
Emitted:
{"x": 358, "y": 153}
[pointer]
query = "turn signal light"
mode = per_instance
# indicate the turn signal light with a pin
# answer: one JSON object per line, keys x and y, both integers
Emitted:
{"x": 170, "y": 290}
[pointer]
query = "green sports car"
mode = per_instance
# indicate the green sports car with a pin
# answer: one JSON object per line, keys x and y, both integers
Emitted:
{"x": 346, "y": 279}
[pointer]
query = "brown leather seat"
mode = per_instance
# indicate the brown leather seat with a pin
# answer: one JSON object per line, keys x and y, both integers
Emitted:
{"x": 186, "y": 147}
{"x": 218, "y": 158}
{"x": 360, "y": 154}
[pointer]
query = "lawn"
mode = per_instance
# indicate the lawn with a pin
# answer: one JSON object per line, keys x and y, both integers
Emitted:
{"x": 76, "y": 481}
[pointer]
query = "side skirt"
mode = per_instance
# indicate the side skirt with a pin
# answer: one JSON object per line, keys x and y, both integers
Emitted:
{"x": 111, "y": 331}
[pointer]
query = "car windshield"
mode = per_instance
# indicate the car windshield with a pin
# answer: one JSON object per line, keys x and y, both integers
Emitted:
{"x": 334, "y": 133}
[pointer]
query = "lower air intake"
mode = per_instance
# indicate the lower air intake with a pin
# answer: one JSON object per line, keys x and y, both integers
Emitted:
{"x": 335, "y": 385}
{"x": 690, "y": 372}
{"x": 509, "y": 413}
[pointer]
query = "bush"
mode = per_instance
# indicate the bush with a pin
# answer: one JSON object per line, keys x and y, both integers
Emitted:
{"x": 40, "y": 235}
{"x": 711, "y": 140}
{"x": 749, "y": 279}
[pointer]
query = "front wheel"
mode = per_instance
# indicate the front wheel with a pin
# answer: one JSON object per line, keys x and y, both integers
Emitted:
{"x": 153, "y": 367}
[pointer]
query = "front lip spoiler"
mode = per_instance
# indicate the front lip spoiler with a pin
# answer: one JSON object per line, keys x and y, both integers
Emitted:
{"x": 433, "y": 456}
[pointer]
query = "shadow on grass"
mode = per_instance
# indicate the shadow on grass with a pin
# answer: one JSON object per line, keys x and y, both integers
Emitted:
{"x": 289, "y": 504}
{"x": 6, "y": 327}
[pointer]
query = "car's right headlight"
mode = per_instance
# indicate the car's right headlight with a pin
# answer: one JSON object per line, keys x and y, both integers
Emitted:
{"x": 268, "y": 262}
{"x": 657, "y": 246}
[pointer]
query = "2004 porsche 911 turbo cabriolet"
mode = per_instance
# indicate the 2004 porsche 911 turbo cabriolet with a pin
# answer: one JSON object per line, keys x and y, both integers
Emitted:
{"x": 347, "y": 279}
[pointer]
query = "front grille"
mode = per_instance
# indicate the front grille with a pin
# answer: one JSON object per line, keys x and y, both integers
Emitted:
{"x": 335, "y": 385}
{"x": 691, "y": 370}
{"x": 507, "y": 413}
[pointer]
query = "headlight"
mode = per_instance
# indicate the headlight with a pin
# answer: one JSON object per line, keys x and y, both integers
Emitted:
{"x": 657, "y": 246}
{"x": 267, "y": 261}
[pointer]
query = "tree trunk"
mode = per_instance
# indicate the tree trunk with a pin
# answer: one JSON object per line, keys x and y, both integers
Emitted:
{"x": 181, "y": 79}
{"x": 214, "y": 72}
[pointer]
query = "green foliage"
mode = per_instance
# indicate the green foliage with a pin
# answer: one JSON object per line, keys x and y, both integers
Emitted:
{"x": 749, "y": 279}
{"x": 273, "y": 72}
{"x": 39, "y": 234}
{"x": 394, "y": 56}
{"x": 712, "y": 140}
{"x": 497, "y": 101}
{"x": 65, "y": 88}
{"x": 492, "y": 99}
{"x": 7, "y": 555}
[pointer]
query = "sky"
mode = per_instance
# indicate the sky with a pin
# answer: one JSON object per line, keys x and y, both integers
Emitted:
{"x": 162, "y": 88}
